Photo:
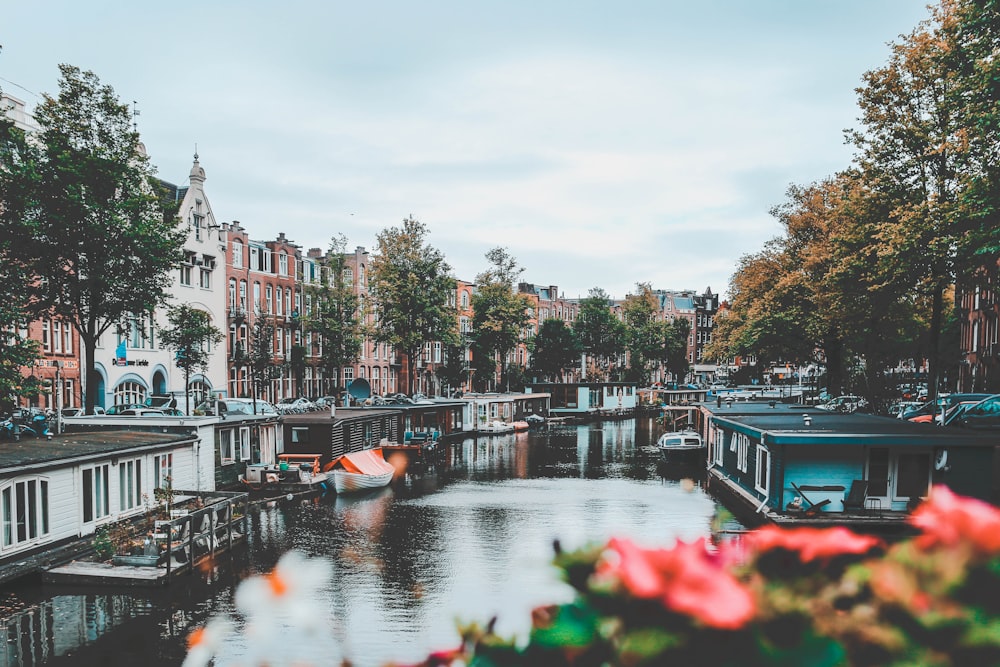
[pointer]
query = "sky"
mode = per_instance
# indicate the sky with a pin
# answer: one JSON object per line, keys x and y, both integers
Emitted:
{"x": 603, "y": 144}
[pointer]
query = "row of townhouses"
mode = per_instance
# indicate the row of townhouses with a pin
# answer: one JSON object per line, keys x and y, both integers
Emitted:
{"x": 237, "y": 279}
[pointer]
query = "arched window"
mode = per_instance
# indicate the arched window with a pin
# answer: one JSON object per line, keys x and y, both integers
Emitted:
{"x": 130, "y": 393}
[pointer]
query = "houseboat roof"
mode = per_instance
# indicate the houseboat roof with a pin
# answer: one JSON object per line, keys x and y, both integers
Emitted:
{"x": 40, "y": 452}
{"x": 790, "y": 427}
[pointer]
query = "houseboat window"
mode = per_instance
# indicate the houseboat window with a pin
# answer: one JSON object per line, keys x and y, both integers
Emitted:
{"x": 742, "y": 451}
{"x": 226, "y": 447}
{"x": 130, "y": 484}
{"x": 717, "y": 441}
{"x": 300, "y": 434}
{"x": 244, "y": 443}
{"x": 96, "y": 497}
{"x": 913, "y": 475}
{"x": 763, "y": 474}
{"x": 732, "y": 441}
{"x": 162, "y": 470}
{"x": 878, "y": 472}
{"x": 24, "y": 506}
{"x": 494, "y": 410}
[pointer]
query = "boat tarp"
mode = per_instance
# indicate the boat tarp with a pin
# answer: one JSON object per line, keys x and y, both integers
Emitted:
{"x": 366, "y": 462}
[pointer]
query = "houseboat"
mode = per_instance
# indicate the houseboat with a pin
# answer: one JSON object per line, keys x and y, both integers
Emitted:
{"x": 482, "y": 409}
{"x": 789, "y": 464}
{"x": 55, "y": 492}
{"x": 589, "y": 400}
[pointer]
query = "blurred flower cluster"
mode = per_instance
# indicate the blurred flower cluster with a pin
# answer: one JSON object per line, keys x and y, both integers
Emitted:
{"x": 804, "y": 597}
{"x": 808, "y": 597}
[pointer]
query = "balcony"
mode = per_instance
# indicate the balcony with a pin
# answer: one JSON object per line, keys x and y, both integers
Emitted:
{"x": 237, "y": 313}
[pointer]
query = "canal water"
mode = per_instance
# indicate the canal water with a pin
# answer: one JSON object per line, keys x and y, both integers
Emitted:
{"x": 467, "y": 538}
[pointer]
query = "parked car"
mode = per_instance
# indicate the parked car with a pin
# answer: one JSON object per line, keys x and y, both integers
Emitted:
{"x": 948, "y": 400}
{"x": 326, "y": 401}
{"x": 118, "y": 409}
{"x": 141, "y": 412}
{"x": 847, "y": 404}
{"x": 294, "y": 405}
{"x": 256, "y": 406}
{"x": 223, "y": 407}
{"x": 984, "y": 414}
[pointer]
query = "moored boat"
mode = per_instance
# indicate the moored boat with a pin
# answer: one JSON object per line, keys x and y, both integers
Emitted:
{"x": 360, "y": 471}
{"x": 681, "y": 446}
{"x": 496, "y": 426}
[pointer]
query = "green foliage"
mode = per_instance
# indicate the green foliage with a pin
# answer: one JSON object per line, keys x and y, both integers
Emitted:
{"x": 336, "y": 316}
{"x": 85, "y": 214}
{"x": 601, "y": 333}
{"x": 409, "y": 283}
{"x": 104, "y": 548}
{"x": 500, "y": 314}
{"x": 264, "y": 366}
{"x": 555, "y": 349}
{"x": 191, "y": 335}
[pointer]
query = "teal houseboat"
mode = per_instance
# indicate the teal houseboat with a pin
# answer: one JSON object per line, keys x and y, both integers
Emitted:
{"x": 796, "y": 465}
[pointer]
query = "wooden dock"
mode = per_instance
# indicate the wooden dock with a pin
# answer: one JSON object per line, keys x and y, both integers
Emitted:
{"x": 179, "y": 544}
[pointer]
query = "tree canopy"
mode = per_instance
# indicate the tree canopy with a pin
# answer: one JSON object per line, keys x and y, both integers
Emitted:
{"x": 86, "y": 215}
{"x": 191, "y": 335}
{"x": 336, "y": 316}
{"x": 410, "y": 283}
{"x": 601, "y": 334}
{"x": 500, "y": 314}
{"x": 555, "y": 349}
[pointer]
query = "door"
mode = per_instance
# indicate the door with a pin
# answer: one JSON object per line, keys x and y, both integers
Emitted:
{"x": 897, "y": 476}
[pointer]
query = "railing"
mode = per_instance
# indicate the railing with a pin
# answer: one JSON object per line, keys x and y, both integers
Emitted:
{"x": 200, "y": 533}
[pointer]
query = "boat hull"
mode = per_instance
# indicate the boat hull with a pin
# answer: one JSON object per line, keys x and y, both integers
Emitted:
{"x": 353, "y": 482}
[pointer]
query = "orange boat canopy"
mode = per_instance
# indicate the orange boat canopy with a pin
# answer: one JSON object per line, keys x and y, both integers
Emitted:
{"x": 366, "y": 462}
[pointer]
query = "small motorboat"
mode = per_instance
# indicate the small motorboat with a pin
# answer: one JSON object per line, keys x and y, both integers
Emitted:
{"x": 360, "y": 471}
{"x": 681, "y": 446}
{"x": 534, "y": 420}
{"x": 496, "y": 426}
{"x": 521, "y": 425}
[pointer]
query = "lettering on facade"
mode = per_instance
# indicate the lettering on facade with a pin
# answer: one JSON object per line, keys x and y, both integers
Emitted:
{"x": 131, "y": 362}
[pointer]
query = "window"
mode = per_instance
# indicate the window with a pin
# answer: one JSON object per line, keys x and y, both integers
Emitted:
{"x": 300, "y": 434}
{"x": 96, "y": 498}
{"x": 198, "y": 222}
{"x": 226, "y": 454}
{"x": 268, "y": 299}
{"x": 163, "y": 470}
{"x": 186, "y": 275}
{"x": 67, "y": 338}
{"x": 205, "y": 279}
{"x": 232, "y": 294}
{"x": 437, "y": 352}
{"x": 762, "y": 478}
{"x": 283, "y": 263}
{"x": 46, "y": 338}
{"x": 130, "y": 484}
{"x": 244, "y": 443}
{"x": 128, "y": 393}
{"x": 24, "y": 508}
{"x": 237, "y": 254}
{"x": 254, "y": 258}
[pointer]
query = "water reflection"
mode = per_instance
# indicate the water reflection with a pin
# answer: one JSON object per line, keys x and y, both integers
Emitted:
{"x": 466, "y": 538}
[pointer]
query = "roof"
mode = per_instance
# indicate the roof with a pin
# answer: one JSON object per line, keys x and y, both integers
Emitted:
{"x": 788, "y": 427}
{"x": 92, "y": 444}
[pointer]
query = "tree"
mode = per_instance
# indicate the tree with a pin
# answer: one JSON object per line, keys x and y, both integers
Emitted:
{"x": 335, "y": 317}
{"x": 409, "y": 283}
{"x": 260, "y": 355}
{"x": 500, "y": 315}
{"x": 914, "y": 151}
{"x": 17, "y": 351}
{"x": 555, "y": 349}
{"x": 191, "y": 336}
{"x": 645, "y": 335}
{"x": 601, "y": 333}
{"x": 453, "y": 372}
{"x": 87, "y": 216}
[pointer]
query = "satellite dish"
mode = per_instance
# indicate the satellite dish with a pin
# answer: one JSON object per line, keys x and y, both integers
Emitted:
{"x": 360, "y": 389}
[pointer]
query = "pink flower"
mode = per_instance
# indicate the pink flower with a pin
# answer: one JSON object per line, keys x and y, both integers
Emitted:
{"x": 813, "y": 543}
{"x": 948, "y": 519}
{"x": 686, "y": 578}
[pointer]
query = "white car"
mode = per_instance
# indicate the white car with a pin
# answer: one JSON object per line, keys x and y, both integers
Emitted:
{"x": 844, "y": 404}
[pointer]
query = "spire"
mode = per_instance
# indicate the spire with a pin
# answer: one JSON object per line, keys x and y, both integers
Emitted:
{"x": 197, "y": 173}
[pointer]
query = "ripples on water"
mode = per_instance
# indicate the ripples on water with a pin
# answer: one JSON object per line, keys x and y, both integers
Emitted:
{"x": 468, "y": 538}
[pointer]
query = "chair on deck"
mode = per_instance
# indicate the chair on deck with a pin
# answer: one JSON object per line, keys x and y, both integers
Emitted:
{"x": 817, "y": 507}
{"x": 855, "y": 500}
